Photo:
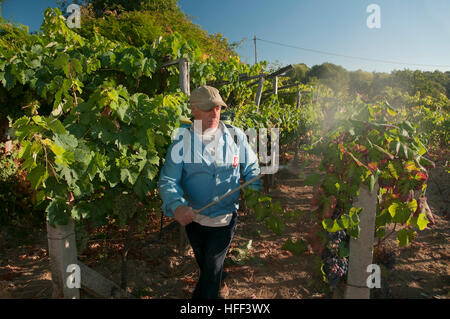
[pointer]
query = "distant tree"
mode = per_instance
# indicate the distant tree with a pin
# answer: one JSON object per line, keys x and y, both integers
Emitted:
{"x": 300, "y": 73}
{"x": 447, "y": 83}
{"x": 427, "y": 83}
{"x": 360, "y": 82}
{"x": 379, "y": 83}
{"x": 332, "y": 75}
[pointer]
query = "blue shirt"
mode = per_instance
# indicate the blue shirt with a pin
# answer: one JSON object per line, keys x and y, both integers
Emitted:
{"x": 191, "y": 177}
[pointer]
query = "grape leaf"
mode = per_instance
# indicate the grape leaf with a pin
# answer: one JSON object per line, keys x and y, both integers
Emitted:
{"x": 37, "y": 176}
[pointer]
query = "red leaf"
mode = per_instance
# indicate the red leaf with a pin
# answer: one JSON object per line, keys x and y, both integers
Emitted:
{"x": 189, "y": 281}
{"x": 422, "y": 176}
{"x": 373, "y": 166}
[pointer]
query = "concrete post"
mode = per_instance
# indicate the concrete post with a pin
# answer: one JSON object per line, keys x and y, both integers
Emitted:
{"x": 361, "y": 249}
{"x": 63, "y": 252}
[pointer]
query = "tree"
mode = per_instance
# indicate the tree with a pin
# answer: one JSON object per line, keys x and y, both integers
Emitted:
{"x": 300, "y": 73}
{"x": 332, "y": 75}
{"x": 447, "y": 83}
{"x": 360, "y": 82}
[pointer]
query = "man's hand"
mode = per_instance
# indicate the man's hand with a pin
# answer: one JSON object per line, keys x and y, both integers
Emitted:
{"x": 184, "y": 215}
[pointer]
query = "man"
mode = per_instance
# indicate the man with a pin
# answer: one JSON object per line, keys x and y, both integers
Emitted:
{"x": 201, "y": 165}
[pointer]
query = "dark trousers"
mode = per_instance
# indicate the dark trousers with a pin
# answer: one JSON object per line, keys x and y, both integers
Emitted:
{"x": 210, "y": 245}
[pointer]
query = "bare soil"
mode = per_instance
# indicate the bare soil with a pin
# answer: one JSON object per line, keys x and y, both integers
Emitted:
{"x": 264, "y": 270}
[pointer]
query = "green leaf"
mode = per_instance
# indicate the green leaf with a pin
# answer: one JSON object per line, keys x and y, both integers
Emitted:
{"x": 276, "y": 224}
{"x": 412, "y": 205}
{"x": 331, "y": 225}
{"x": 354, "y": 231}
{"x": 372, "y": 183}
{"x": 76, "y": 66}
{"x": 127, "y": 175}
{"x": 251, "y": 200}
{"x": 57, "y": 150}
{"x": 420, "y": 221}
{"x": 261, "y": 212}
{"x": 21, "y": 122}
{"x": 68, "y": 174}
{"x": 354, "y": 215}
{"x": 37, "y": 176}
{"x": 391, "y": 112}
{"x": 276, "y": 207}
{"x": 381, "y": 232}
{"x": 62, "y": 61}
{"x": 343, "y": 250}
{"x": 65, "y": 159}
{"x": 40, "y": 197}
{"x": 346, "y": 221}
{"x": 58, "y": 213}
{"x": 25, "y": 149}
{"x": 400, "y": 212}
{"x": 24, "y": 131}
{"x": 67, "y": 141}
{"x": 56, "y": 126}
{"x": 81, "y": 210}
{"x": 393, "y": 209}
{"x": 402, "y": 237}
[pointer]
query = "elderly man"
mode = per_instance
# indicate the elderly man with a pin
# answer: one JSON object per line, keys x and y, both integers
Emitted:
{"x": 203, "y": 163}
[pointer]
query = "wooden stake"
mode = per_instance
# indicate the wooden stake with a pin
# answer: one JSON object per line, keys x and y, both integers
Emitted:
{"x": 260, "y": 90}
{"x": 184, "y": 76}
{"x": 185, "y": 87}
{"x": 275, "y": 85}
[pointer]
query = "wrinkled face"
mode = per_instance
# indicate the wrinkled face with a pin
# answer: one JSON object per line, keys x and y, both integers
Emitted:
{"x": 210, "y": 119}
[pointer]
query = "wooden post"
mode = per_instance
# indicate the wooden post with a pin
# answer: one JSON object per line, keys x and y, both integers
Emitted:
{"x": 256, "y": 58}
{"x": 297, "y": 142}
{"x": 299, "y": 97}
{"x": 63, "y": 252}
{"x": 185, "y": 87}
{"x": 184, "y": 76}
{"x": 361, "y": 249}
{"x": 260, "y": 90}
{"x": 275, "y": 85}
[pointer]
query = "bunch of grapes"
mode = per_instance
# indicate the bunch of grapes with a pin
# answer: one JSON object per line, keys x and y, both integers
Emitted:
{"x": 338, "y": 236}
{"x": 334, "y": 266}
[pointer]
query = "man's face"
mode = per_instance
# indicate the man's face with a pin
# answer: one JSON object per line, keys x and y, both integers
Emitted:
{"x": 210, "y": 119}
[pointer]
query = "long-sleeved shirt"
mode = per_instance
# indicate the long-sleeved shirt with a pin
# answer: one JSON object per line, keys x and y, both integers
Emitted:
{"x": 192, "y": 177}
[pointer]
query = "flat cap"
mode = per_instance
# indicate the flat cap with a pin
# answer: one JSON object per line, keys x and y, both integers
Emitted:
{"x": 206, "y": 97}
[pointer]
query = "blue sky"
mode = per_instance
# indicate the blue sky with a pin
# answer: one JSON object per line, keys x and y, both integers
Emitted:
{"x": 412, "y": 31}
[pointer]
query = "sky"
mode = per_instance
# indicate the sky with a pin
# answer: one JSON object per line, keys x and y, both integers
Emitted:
{"x": 415, "y": 34}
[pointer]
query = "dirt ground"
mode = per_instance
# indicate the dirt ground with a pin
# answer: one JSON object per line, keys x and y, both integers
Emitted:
{"x": 260, "y": 270}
